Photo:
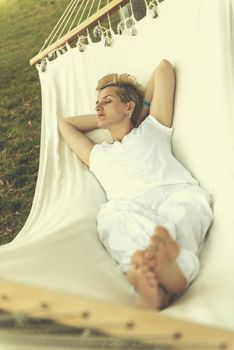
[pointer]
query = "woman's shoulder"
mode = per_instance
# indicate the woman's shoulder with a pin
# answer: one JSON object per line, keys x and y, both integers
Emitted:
{"x": 153, "y": 122}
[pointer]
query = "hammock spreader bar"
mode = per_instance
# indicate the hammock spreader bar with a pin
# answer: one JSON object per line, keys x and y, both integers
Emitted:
{"x": 24, "y": 301}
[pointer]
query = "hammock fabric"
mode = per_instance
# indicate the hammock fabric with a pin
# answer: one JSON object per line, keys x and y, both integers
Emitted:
{"x": 58, "y": 248}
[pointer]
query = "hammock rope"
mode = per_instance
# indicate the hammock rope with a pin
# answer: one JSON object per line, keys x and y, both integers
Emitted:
{"x": 86, "y": 14}
{"x": 55, "y": 30}
{"x": 68, "y": 19}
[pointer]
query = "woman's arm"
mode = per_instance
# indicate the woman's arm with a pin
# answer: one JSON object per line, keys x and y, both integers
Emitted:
{"x": 159, "y": 102}
{"x": 83, "y": 123}
{"x": 73, "y": 131}
{"x": 162, "y": 103}
{"x": 148, "y": 95}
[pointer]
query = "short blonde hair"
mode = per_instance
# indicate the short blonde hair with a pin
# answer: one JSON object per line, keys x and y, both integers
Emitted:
{"x": 129, "y": 89}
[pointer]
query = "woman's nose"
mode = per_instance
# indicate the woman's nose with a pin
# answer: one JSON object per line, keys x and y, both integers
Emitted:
{"x": 98, "y": 107}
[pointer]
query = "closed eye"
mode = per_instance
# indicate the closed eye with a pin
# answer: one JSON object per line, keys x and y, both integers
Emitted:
{"x": 104, "y": 102}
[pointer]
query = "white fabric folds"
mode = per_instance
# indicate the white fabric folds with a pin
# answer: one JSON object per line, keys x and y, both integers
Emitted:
{"x": 58, "y": 247}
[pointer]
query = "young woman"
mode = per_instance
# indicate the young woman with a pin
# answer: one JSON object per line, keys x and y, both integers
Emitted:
{"x": 156, "y": 217}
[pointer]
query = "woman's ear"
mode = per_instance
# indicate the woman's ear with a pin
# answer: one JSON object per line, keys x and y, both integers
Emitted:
{"x": 131, "y": 106}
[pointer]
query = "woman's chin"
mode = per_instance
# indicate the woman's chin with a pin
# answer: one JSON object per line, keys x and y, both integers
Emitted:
{"x": 101, "y": 123}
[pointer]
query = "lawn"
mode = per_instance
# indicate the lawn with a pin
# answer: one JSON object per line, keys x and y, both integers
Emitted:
{"x": 24, "y": 26}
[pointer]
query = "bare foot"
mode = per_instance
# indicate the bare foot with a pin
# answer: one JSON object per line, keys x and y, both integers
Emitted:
{"x": 149, "y": 294}
{"x": 161, "y": 258}
{"x": 137, "y": 260}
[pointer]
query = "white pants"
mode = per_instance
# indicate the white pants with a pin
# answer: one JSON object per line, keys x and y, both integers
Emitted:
{"x": 125, "y": 226}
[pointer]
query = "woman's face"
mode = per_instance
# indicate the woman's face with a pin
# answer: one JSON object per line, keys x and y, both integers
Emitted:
{"x": 110, "y": 109}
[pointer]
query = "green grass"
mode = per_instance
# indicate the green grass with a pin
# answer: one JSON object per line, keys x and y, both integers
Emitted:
{"x": 24, "y": 26}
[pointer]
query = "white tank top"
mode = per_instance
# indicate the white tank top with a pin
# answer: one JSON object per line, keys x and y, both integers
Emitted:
{"x": 141, "y": 161}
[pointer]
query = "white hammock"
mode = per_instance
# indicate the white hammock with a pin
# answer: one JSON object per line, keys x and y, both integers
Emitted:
{"x": 58, "y": 248}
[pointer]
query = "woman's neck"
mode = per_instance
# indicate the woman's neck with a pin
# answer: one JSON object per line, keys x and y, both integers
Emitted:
{"x": 118, "y": 132}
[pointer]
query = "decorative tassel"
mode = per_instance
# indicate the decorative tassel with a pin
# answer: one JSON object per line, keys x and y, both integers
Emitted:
{"x": 43, "y": 65}
{"x": 133, "y": 31}
{"x": 108, "y": 40}
{"x": 128, "y": 23}
{"x": 121, "y": 27}
{"x": 81, "y": 43}
{"x": 98, "y": 31}
{"x": 52, "y": 55}
{"x": 153, "y": 7}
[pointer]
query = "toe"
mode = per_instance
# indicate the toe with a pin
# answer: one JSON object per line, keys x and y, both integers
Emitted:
{"x": 137, "y": 258}
{"x": 131, "y": 275}
{"x": 149, "y": 252}
{"x": 150, "y": 274}
{"x": 152, "y": 282}
{"x": 144, "y": 268}
{"x": 152, "y": 263}
{"x": 162, "y": 233}
{"x": 156, "y": 240}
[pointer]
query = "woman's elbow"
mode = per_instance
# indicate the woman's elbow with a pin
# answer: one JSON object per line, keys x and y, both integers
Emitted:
{"x": 62, "y": 121}
{"x": 61, "y": 124}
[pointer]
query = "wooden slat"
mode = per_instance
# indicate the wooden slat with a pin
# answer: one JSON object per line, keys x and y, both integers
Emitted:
{"x": 72, "y": 35}
{"x": 115, "y": 319}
